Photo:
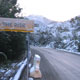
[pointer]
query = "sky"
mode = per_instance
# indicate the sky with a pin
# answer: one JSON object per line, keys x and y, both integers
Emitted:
{"x": 57, "y": 10}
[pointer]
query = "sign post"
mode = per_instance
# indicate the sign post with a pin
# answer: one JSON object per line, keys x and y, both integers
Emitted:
{"x": 28, "y": 48}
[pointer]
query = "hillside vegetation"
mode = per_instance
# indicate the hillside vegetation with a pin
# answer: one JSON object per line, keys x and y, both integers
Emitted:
{"x": 62, "y": 35}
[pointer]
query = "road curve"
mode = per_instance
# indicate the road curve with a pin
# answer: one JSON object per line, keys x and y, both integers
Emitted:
{"x": 58, "y": 65}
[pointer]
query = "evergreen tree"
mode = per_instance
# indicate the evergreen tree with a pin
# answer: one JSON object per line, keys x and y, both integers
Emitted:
{"x": 8, "y": 8}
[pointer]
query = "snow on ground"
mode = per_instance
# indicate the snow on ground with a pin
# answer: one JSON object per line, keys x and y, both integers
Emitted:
{"x": 7, "y": 72}
{"x": 2, "y": 70}
{"x": 69, "y": 51}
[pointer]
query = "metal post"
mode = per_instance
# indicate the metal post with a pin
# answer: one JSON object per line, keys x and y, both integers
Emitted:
{"x": 27, "y": 54}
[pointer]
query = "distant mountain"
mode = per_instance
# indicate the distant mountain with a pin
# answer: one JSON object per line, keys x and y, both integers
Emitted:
{"x": 62, "y": 35}
{"x": 39, "y": 18}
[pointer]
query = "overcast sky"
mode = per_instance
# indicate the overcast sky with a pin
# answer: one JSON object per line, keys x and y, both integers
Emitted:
{"x": 58, "y": 10}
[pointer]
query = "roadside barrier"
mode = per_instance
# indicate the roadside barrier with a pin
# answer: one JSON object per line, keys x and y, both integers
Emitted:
{"x": 35, "y": 69}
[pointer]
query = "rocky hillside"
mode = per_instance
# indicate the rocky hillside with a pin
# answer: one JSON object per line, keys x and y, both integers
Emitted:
{"x": 62, "y": 35}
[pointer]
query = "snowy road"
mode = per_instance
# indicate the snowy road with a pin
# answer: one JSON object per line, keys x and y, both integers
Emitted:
{"x": 58, "y": 65}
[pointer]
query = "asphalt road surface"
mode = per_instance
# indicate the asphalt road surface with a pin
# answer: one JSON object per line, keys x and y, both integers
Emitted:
{"x": 58, "y": 65}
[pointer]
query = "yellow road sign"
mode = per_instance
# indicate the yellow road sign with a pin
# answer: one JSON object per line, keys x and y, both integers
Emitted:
{"x": 18, "y": 25}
